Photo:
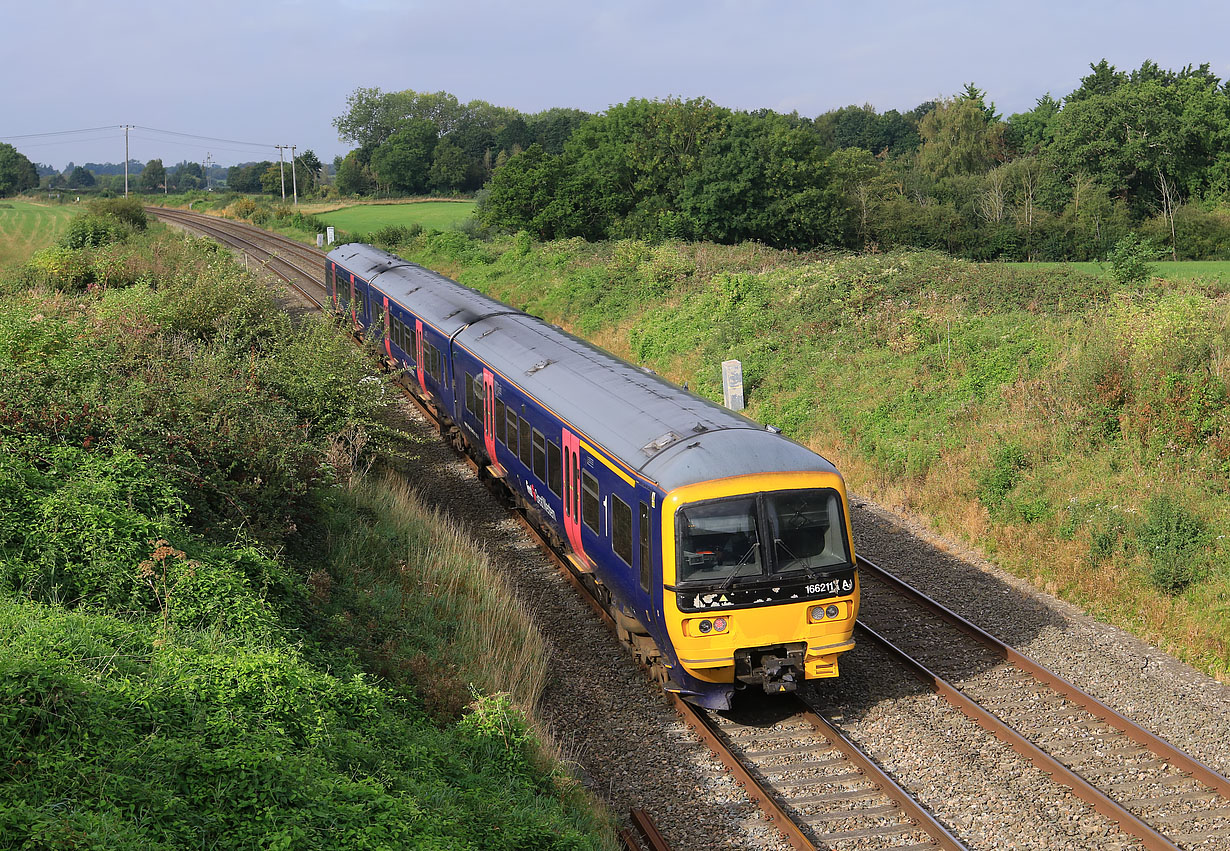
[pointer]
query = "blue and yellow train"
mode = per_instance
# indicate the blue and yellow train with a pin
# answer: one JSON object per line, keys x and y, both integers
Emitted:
{"x": 722, "y": 549}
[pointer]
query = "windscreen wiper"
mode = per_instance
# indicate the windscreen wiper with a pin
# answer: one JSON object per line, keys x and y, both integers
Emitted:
{"x": 742, "y": 561}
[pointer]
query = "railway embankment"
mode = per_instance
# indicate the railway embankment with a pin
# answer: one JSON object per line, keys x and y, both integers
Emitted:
{"x": 1073, "y": 430}
{"x": 216, "y": 626}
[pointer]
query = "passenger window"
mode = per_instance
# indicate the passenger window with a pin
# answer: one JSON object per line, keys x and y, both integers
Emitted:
{"x": 526, "y": 451}
{"x": 554, "y": 473}
{"x": 621, "y": 529}
{"x": 470, "y": 393}
{"x": 512, "y": 431}
{"x": 540, "y": 456}
{"x": 501, "y": 415}
{"x": 646, "y": 559}
{"x": 589, "y": 502}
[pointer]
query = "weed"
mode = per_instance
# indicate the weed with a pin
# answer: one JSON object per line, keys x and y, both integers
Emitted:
{"x": 1172, "y": 538}
{"x": 1008, "y": 460}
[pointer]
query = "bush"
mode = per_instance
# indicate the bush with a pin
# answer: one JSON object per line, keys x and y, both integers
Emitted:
{"x": 994, "y": 484}
{"x": 92, "y": 230}
{"x": 391, "y": 236}
{"x": 126, "y": 210}
{"x": 1172, "y": 539}
{"x": 1131, "y": 259}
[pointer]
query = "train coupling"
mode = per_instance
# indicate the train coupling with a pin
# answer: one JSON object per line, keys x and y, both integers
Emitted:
{"x": 778, "y": 669}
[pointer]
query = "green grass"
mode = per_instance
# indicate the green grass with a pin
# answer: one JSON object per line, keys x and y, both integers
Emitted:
{"x": 26, "y": 227}
{"x": 1205, "y": 270}
{"x": 364, "y": 218}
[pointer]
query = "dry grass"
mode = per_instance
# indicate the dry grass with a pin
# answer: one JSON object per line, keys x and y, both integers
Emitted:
{"x": 440, "y": 566}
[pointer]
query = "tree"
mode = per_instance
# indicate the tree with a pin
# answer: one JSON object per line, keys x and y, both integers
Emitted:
{"x": 309, "y": 166}
{"x": 17, "y": 173}
{"x": 852, "y": 173}
{"x": 449, "y": 167}
{"x": 80, "y": 178}
{"x": 1028, "y": 132}
{"x": 153, "y": 176}
{"x": 523, "y": 196}
{"x": 273, "y": 179}
{"x": 247, "y": 178}
{"x": 353, "y": 177}
{"x": 373, "y": 116}
{"x": 403, "y": 162}
{"x": 958, "y": 139}
{"x": 188, "y": 176}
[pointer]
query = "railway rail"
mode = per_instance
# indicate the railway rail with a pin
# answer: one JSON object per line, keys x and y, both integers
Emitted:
{"x": 1151, "y": 789}
{"x": 299, "y": 265}
{"x": 815, "y": 784}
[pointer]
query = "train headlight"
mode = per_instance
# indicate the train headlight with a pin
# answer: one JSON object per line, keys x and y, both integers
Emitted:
{"x": 719, "y": 624}
{"x": 832, "y": 612}
{"x": 705, "y": 627}
{"x": 816, "y": 613}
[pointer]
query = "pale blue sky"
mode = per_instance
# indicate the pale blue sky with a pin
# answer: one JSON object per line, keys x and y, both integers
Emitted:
{"x": 279, "y": 72}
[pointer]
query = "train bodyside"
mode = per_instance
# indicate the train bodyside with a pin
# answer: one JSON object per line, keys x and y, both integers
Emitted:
{"x": 628, "y": 473}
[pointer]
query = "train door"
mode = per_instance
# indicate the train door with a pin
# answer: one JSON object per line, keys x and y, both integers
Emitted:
{"x": 418, "y": 352}
{"x": 571, "y": 447}
{"x": 489, "y": 424}
{"x": 388, "y": 318}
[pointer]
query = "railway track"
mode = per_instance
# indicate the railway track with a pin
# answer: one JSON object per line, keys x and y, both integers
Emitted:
{"x": 300, "y": 266}
{"x": 816, "y": 785}
{"x": 1152, "y": 790}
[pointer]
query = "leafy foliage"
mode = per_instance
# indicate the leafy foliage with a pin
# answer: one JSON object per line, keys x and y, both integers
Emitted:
{"x": 1130, "y": 259}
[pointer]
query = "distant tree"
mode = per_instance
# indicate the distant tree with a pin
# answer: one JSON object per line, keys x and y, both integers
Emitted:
{"x": 153, "y": 176}
{"x": 449, "y": 167}
{"x": 273, "y": 179}
{"x": 958, "y": 139}
{"x": 403, "y": 162}
{"x": 1103, "y": 81}
{"x": 17, "y": 173}
{"x": 552, "y": 128}
{"x": 523, "y": 196}
{"x": 373, "y": 116}
{"x": 81, "y": 178}
{"x": 353, "y": 176}
{"x": 309, "y": 166}
{"x": 1028, "y": 132}
{"x": 187, "y": 176}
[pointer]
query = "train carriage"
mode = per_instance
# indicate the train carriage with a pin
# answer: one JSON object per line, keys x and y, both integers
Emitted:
{"x": 722, "y": 549}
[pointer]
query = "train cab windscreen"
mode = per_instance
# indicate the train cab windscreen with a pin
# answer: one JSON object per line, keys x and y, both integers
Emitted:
{"x": 790, "y": 532}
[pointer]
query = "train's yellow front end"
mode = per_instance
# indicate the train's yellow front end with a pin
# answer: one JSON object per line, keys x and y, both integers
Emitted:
{"x": 761, "y": 588}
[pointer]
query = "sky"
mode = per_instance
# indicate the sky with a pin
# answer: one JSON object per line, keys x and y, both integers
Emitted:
{"x": 251, "y": 74}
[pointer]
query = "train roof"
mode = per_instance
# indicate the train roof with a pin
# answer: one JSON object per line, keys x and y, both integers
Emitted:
{"x": 440, "y": 301}
{"x": 661, "y": 431}
{"x": 653, "y": 427}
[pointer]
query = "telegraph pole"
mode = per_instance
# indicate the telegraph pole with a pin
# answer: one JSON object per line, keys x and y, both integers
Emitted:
{"x": 126, "y": 129}
{"x": 293, "y": 181}
{"x": 209, "y": 160}
{"x": 282, "y": 168}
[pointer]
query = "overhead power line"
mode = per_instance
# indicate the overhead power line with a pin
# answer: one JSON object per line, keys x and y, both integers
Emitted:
{"x": 115, "y": 127}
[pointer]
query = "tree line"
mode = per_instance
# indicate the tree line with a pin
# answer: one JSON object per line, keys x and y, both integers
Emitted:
{"x": 1145, "y": 150}
{"x": 412, "y": 142}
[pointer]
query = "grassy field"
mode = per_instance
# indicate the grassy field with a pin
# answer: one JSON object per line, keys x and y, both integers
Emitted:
{"x": 1182, "y": 270}
{"x": 26, "y": 227}
{"x": 364, "y": 218}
